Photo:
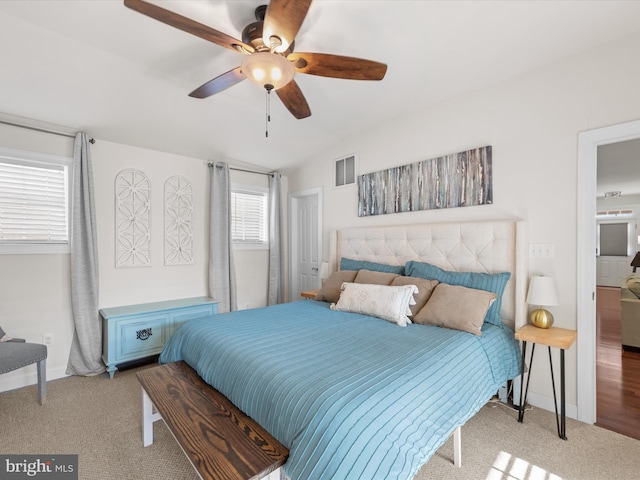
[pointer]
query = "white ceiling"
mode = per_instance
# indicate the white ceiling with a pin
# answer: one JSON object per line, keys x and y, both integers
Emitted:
{"x": 120, "y": 76}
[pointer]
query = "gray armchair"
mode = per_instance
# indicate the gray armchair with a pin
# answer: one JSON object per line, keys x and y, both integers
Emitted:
{"x": 16, "y": 353}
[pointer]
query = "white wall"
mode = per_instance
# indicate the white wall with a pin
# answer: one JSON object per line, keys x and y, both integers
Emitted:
{"x": 35, "y": 289}
{"x": 532, "y": 122}
{"x": 123, "y": 286}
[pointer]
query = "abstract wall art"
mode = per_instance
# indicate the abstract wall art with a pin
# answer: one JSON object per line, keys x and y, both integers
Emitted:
{"x": 458, "y": 180}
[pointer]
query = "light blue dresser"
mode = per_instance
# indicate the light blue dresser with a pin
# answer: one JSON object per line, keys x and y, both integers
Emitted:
{"x": 134, "y": 332}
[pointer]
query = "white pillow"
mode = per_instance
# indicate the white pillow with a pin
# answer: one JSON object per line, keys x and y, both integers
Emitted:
{"x": 383, "y": 301}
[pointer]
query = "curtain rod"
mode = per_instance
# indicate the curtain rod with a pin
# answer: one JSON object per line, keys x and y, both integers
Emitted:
{"x": 210, "y": 164}
{"x": 44, "y": 130}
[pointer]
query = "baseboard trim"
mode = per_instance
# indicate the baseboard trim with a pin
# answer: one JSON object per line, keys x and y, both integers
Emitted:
{"x": 27, "y": 376}
{"x": 546, "y": 403}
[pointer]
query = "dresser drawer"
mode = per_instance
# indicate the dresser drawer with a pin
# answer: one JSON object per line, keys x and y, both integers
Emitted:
{"x": 144, "y": 335}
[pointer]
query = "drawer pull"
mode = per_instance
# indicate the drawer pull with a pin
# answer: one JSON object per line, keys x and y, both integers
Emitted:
{"x": 143, "y": 334}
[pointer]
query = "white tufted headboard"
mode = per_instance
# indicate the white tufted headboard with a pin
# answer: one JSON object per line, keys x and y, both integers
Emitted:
{"x": 487, "y": 246}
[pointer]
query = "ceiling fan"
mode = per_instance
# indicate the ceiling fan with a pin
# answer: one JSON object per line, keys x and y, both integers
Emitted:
{"x": 268, "y": 46}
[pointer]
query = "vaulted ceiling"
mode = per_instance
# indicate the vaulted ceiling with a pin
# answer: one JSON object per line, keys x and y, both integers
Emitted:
{"x": 98, "y": 66}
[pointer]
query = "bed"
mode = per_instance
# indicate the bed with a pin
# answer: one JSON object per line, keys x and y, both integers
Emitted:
{"x": 355, "y": 396}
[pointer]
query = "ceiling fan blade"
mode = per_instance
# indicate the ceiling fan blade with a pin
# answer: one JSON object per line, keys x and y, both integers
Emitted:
{"x": 218, "y": 84}
{"x": 190, "y": 26}
{"x": 294, "y": 100}
{"x": 337, "y": 66}
{"x": 283, "y": 19}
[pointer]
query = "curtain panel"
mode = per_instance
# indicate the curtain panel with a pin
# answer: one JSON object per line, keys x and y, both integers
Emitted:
{"x": 85, "y": 357}
{"x": 276, "y": 249}
{"x": 222, "y": 281}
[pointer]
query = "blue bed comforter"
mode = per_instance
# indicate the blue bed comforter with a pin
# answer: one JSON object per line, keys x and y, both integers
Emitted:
{"x": 351, "y": 396}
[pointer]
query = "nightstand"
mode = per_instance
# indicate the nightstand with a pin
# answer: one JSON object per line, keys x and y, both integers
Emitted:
{"x": 561, "y": 338}
{"x": 311, "y": 294}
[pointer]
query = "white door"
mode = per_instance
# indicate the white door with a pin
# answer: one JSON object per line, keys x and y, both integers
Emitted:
{"x": 306, "y": 248}
{"x": 612, "y": 271}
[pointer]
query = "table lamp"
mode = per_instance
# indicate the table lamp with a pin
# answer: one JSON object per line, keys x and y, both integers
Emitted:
{"x": 636, "y": 261}
{"x": 542, "y": 292}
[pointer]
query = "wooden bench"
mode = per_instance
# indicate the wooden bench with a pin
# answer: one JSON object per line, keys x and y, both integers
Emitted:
{"x": 219, "y": 440}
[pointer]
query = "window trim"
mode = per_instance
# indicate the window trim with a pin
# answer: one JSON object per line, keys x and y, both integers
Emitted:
{"x": 253, "y": 189}
{"x": 29, "y": 158}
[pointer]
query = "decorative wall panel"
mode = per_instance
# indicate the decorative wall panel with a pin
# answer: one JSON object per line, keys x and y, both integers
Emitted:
{"x": 133, "y": 219}
{"x": 458, "y": 180}
{"x": 178, "y": 213}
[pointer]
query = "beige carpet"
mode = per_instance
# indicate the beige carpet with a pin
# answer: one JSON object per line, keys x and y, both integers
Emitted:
{"x": 100, "y": 420}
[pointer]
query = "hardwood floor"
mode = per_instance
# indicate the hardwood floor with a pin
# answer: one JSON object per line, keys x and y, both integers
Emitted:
{"x": 617, "y": 371}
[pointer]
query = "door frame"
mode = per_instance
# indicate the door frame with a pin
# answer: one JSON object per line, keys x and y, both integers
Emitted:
{"x": 588, "y": 143}
{"x": 293, "y": 200}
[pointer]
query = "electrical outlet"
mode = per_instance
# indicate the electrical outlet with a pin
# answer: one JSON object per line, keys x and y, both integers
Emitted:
{"x": 47, "y": 339}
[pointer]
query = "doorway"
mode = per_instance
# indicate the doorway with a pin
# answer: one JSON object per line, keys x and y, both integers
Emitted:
{"x": 305, "y": 239}
{"x": 618, "y": 371}
{"x": 588, "y": 143}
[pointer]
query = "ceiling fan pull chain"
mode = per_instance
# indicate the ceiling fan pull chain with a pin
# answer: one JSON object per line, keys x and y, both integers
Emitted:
{"x": 268, "y": 87}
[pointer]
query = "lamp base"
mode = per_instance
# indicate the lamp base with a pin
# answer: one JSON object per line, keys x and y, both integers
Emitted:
{"x": 541, "y": 318}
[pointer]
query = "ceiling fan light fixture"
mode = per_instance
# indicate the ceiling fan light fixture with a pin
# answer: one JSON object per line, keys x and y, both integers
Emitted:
{"x": 264, "y": 68}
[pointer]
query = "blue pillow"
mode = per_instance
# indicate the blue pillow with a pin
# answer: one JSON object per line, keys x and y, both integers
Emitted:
{"x": 349, "y": 264}
{"x": 491, "y": 282}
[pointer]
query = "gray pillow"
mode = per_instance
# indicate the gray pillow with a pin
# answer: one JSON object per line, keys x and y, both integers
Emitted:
{"x": 374, "y": 278}
{"x": 330, "y": 291}
{"x": 456, "y": 307}
{"x": 425, "y": 289}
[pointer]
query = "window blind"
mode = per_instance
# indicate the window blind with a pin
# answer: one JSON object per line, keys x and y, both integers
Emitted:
{"x": 33, "y": 203}
{"x": 248, "y": 217}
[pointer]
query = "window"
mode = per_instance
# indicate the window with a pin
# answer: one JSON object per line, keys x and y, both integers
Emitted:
{"x": 616, "y": 239}
{"x": 34, "y": 202}
{"x": 249, "y": 217}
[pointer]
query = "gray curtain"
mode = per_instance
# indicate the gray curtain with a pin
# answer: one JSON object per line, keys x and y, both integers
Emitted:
{"x": 276, "y": 259}
{"x": 222, "y": 278}
{"x": 85, "y": 357}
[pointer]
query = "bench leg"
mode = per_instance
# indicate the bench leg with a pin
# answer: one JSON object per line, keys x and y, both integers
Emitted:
{"x": 457, "y": 447}
{"x": 148, "y": 419}
{"x": 42, "y": 381}
{"x": 275, "y": 475}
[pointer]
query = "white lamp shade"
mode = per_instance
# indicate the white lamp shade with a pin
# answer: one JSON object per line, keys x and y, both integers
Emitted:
{"x": 542, "y": 291}
{"x": 265, "y": 68}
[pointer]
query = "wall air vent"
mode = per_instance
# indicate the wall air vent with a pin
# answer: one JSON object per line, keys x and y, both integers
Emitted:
{"x": 345, "y": 170}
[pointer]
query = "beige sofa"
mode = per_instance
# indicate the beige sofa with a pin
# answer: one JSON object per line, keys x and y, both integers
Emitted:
{"x": 630, "y": 307}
